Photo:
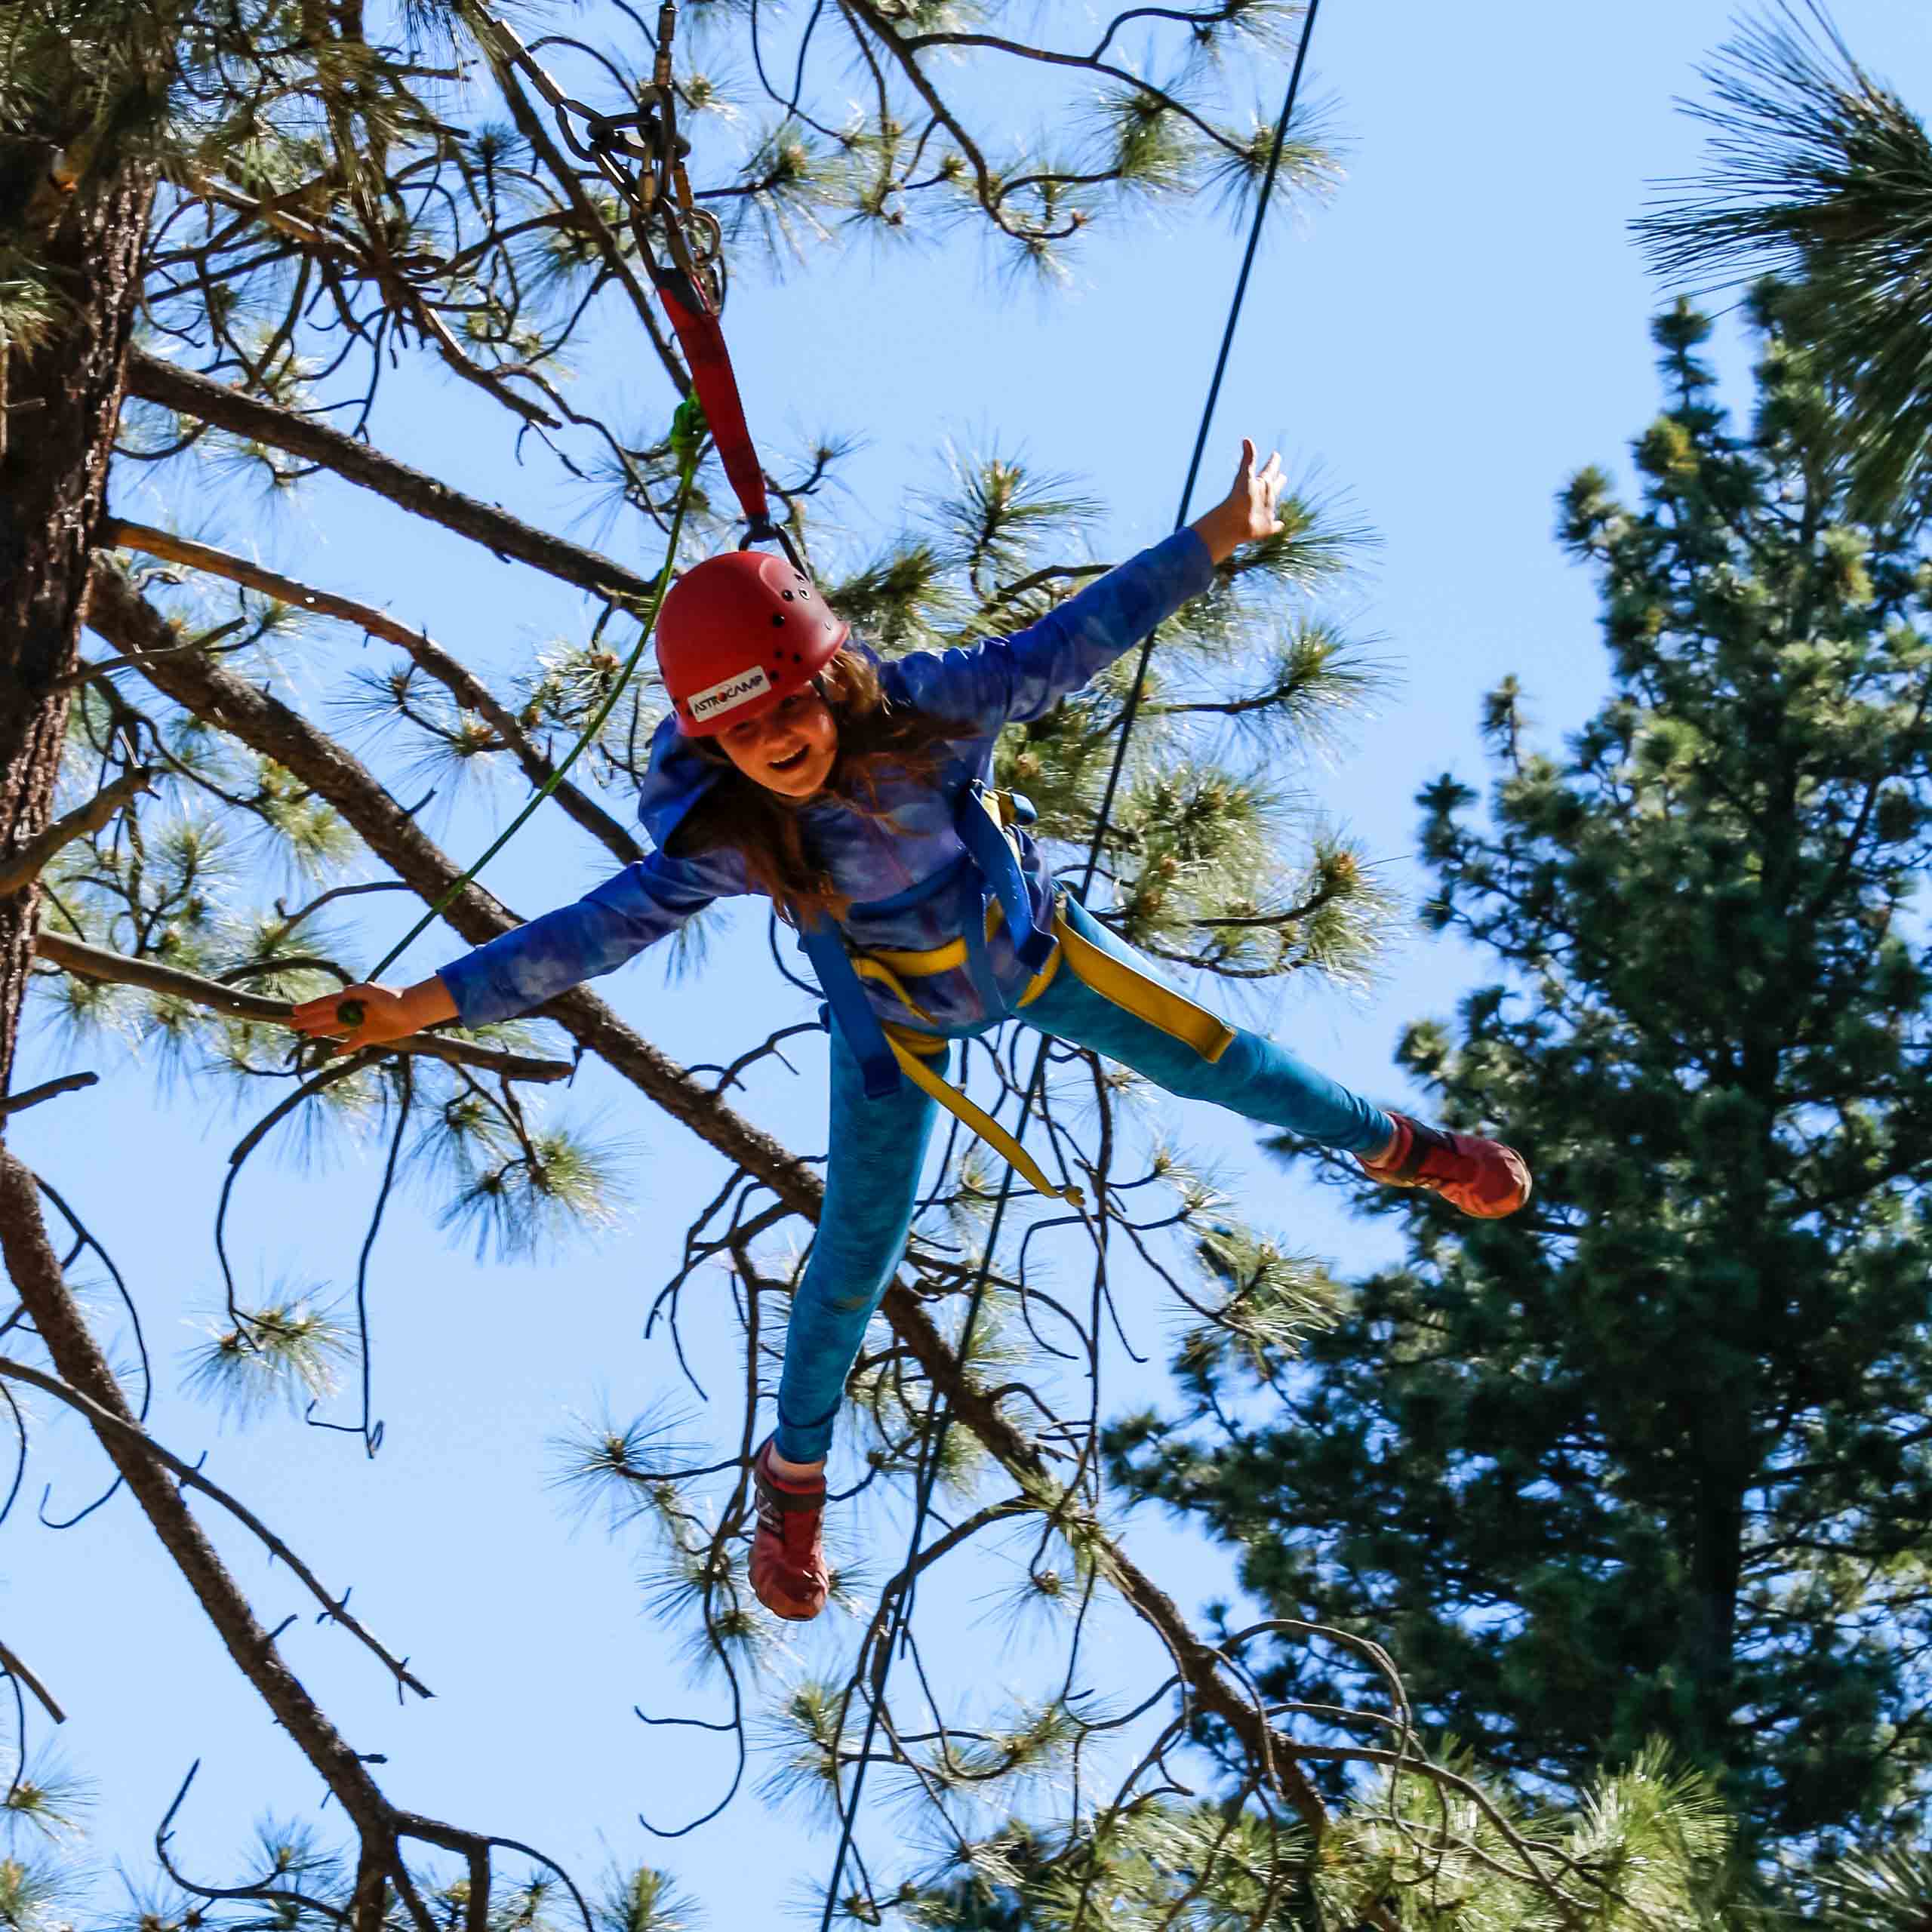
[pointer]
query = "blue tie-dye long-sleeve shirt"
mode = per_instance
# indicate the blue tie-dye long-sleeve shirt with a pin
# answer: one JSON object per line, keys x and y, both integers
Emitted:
{"x": 871, "y": 857}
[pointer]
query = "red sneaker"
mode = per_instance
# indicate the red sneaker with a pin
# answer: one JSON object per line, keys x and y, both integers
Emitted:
{"x": 1481, "y": 1177}
{"x": 789, "y": 1576}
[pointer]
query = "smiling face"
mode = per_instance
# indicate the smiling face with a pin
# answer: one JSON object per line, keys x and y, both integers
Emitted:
{"x": 790, "y": 750}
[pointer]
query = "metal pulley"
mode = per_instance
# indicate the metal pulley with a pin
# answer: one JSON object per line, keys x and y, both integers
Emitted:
{"x": 642, "y": 156}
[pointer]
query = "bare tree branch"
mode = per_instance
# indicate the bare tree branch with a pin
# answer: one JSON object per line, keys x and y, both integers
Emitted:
{"x": 11, "y": 1663}
{"x": 48, "y": 1090}
{"x": 106, "y": 1421}
{"x": 20, "y": 868}
{"x": 83, "y": 1372}
{"x": 154, "y": 380}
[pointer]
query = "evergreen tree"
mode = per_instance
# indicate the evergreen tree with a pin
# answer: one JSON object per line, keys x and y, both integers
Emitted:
{"x": 1651, "y": 1460}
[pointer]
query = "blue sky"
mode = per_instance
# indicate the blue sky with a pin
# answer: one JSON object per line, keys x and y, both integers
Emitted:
{"x": 1462, "y": 328}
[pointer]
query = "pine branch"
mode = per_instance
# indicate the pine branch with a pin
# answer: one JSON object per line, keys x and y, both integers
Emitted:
{"x": 469, "y": 690}
{"x": 105, "y": 1421}
{"x": 20, "y": 869}
{"x": 262, "y": 721}
{"x": 95, "y": 962}
{"x": 154, "y": 380}
{"x": 1821, "y": 177}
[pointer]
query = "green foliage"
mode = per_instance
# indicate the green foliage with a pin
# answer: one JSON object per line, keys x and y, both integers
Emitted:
{"x": 289, "y": 1352}
{"x": 1308, "y": 162}
{"x": 33, "y": 1894}
{"x": 645, "y": 1899}
{"x": 1891, "y": 1891}
{"x": 1820, "y": 175}
{"x": 623, "y": 1470}
{"x": 519, "y": 1190}
{"x": 1265, "y": 1303}
{"x": 1649, "y": 1460}
{"x": 43, "y": 1805}
{"x": 1440, "y": 1850}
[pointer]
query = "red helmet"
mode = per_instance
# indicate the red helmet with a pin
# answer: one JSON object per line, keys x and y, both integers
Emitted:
{"x": 739, "y": 634}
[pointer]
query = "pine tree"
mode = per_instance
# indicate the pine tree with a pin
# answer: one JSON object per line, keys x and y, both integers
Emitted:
{"x": 1651, "y": 1460}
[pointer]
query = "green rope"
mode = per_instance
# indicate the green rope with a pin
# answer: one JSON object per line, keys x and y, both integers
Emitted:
{"x": 687, "y": 435}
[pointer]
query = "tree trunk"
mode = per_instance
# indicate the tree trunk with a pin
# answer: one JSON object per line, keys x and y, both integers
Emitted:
{"x": 59, "y": 400}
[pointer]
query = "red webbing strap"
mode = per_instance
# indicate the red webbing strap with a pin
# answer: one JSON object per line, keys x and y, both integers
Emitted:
{"x": 704, "y": 343}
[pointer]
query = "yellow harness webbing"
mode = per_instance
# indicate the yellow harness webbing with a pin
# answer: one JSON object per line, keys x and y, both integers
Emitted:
{"x": 1114, "y": 979}
{"x": 976, "y": 1118}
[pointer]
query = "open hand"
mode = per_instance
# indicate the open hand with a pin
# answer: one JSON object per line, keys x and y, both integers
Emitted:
{"x": 1249, "y": 511}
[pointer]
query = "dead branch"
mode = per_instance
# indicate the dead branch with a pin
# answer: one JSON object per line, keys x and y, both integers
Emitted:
{"x": 20, "y": 869}
{"x": 107, "y": 1422}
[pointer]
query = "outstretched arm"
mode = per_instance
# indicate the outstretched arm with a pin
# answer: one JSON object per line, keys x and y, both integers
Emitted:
{"x": 1023, "y": 676}
{"x": 536, "y": 961}
{"x": 389, "y": 1013}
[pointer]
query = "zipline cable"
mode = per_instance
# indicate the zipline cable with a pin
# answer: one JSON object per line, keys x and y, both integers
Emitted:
{"x": 931, "y": 1452}
{"x": 1131, "y": 714}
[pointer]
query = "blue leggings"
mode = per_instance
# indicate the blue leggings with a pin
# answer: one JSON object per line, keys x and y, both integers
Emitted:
{"x": 878, "y": 1150}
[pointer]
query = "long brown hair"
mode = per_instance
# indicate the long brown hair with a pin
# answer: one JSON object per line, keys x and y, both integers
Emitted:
{"x": 875, "y": 739}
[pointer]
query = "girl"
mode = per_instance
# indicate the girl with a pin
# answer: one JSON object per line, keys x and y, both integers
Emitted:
{"x": 852, "y": 793}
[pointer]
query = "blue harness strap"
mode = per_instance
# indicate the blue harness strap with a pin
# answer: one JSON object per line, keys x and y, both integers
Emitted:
{"x": 982, "y": 830}
{"x": 847, "y": 1007}
{"x": 979, "y": 962}
{"x": 989, "y": 867}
